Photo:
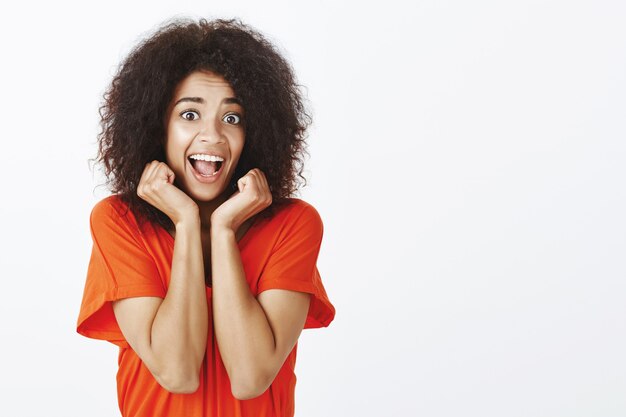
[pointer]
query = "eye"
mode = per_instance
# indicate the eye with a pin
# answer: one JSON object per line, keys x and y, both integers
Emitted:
{"x": 190, "y": 115}
{"x": 232, "y": 118}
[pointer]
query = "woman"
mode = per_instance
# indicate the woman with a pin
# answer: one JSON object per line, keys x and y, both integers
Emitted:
{"x": 203, "y": 269}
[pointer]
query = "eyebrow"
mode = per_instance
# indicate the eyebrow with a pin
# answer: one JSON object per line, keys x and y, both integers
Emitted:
{"x": 227, "y": 100}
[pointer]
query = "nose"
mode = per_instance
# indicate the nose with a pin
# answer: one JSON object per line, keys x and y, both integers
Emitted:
{"x": 210, "y": 131}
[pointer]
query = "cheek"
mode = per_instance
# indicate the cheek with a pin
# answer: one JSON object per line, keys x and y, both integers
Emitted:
{"x": 176, "y": 144}
{"x": 178, "y": 132}
{"x": 239, "y": 145}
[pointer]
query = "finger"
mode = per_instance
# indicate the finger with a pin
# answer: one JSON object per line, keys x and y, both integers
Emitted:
{"x": 150, "y": 169}
{"x": 261, "y": 187}
{"x": 158, "y": 172}
{"x": 257, "y": 180}
{"x": 144, "y": 179}
{"x": 155, "y": 174}
{"x": 147, "y": 169}
{"x": 242, "y": 183}
{"x": 164, "y": 172}
{"x": 257, "y": 174}
{"x": 171, "y": 176}
{"x": 262, "y": 181}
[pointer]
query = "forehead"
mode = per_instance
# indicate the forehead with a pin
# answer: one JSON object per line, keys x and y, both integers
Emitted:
{"x": 203, "y": 84}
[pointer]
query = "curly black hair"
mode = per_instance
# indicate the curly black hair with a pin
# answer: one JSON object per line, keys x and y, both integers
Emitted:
{"x": 135, "y": 104}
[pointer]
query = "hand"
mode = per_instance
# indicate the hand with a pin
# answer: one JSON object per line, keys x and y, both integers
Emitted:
{"x": 156, "y": 186}
{"x": 252, "y": 197}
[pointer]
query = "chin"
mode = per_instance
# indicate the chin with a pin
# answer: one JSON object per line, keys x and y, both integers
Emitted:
{"x": 204, "y": 196}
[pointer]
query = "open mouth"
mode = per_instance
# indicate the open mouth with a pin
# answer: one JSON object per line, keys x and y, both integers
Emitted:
{"x": 206, "y": 165}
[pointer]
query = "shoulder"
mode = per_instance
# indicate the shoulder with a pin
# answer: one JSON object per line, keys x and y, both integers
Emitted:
{"x": 111, "y": 213}
{"x": 295, "y": 217}
{"x": 111, "y": 206}
{"x": 297, "y": 207}
{"x": 295, "y": 210}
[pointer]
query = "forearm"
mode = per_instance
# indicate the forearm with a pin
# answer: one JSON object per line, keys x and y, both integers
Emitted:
{"x": 244, "y": 335}
{"x": 179, "y": 330}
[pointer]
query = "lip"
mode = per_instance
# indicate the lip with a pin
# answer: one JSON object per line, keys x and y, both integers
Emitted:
{"x": 203, "y": 179}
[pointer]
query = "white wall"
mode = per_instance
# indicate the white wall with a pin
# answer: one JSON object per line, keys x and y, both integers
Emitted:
{"x": 468, "y": 160}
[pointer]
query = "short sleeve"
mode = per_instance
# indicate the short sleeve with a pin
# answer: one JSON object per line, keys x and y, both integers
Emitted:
{"x": 120, "y": 267}
{"x": 292, "y": 265}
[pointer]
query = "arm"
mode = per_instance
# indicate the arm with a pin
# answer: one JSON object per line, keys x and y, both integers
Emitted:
{"x": 170, "y": 334}
{"x": 254, "y": 336}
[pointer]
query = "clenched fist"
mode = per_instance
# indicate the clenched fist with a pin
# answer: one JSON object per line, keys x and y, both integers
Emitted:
{"x": 252, "y": 197}
{"x": 156, "y": 186}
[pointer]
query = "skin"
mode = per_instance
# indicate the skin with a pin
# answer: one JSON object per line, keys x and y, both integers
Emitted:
{"x": 254, "y": 335}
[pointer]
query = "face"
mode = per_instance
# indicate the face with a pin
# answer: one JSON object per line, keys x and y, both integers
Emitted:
{"x": 205, "y": 135}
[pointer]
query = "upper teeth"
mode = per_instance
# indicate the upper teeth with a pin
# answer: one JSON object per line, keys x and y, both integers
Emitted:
{"x": 210, "y": 158}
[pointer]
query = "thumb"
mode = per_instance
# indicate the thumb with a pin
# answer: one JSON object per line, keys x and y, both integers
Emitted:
{"x": 170, "y": 177}
{"x": 166, "y": 174}
{"x": 241, "y": 184}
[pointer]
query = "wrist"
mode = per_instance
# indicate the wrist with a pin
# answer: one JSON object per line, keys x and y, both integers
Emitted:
{"x": 222, "y": 224}
{"x": 188, "y": 221}
{"x": 221, "y": 230}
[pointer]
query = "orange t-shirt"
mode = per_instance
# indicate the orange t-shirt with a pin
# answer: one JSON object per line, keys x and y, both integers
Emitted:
{"x": 280, "y": 252}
